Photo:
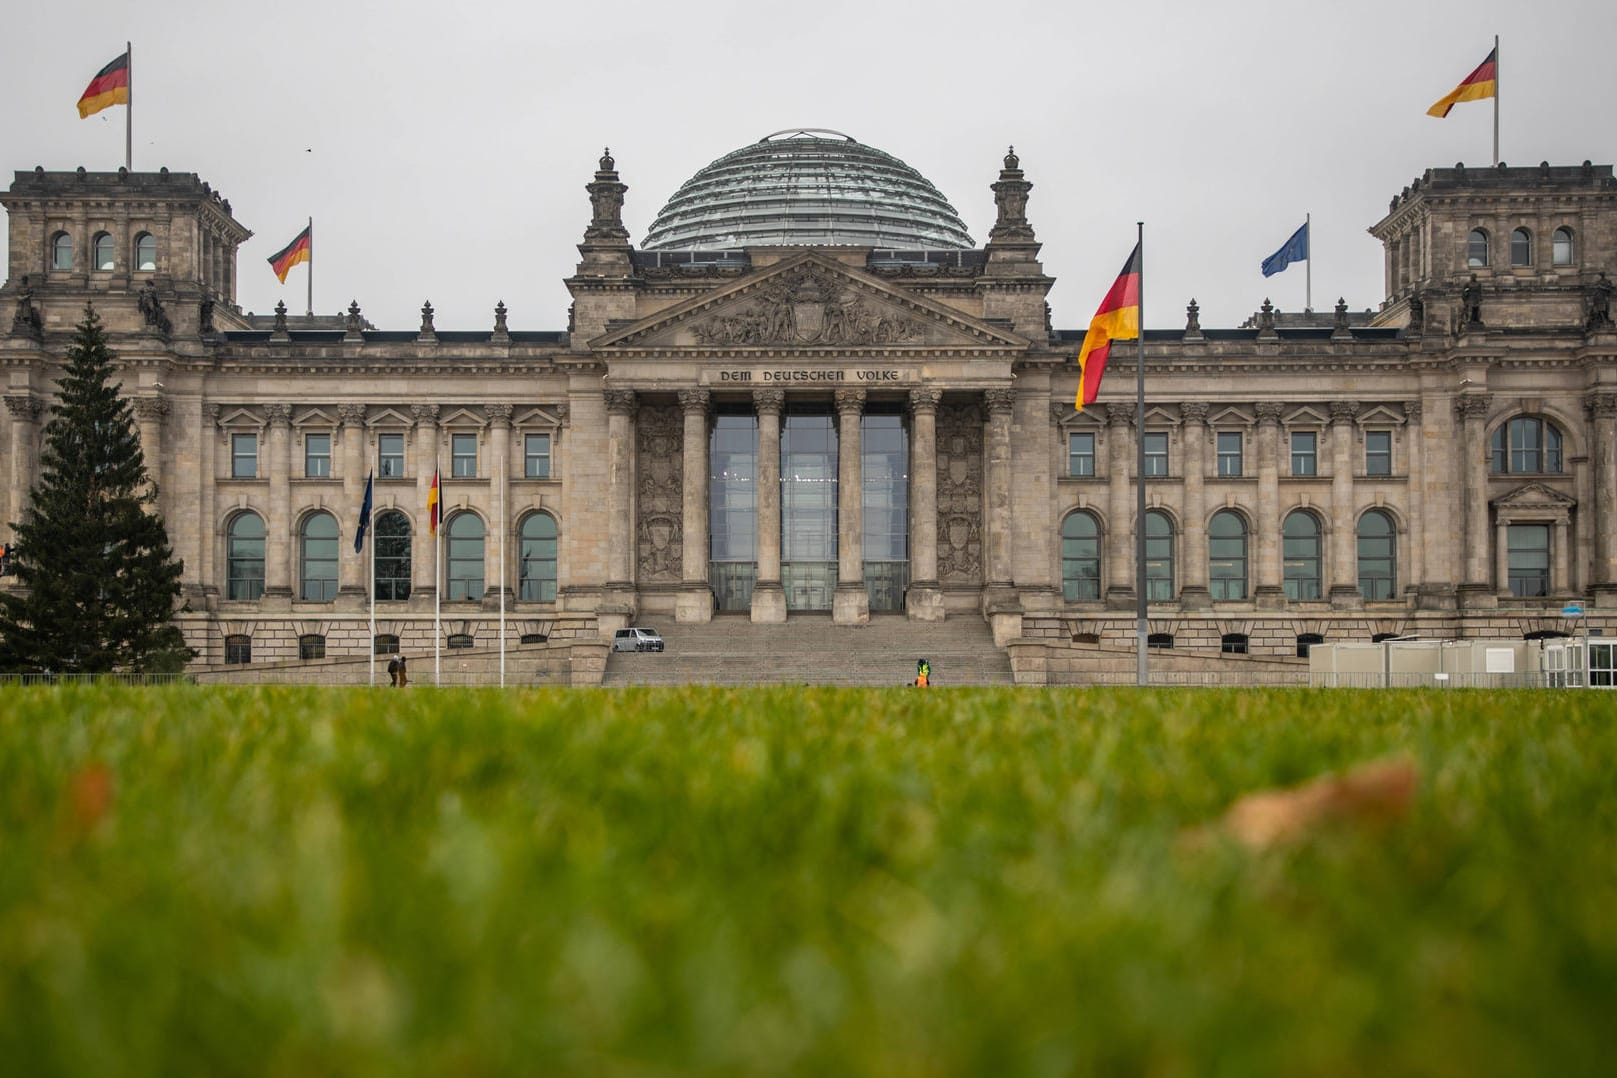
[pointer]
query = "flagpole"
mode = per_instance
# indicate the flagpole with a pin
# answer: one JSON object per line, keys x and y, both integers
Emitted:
{"x": 1496, "y": 82}
{"x": 1308, "y": 288}
{"x": 437, "y": 577}
{"x": 128, "y": 109}
{"x": 500, "y": 517}
{"x": 310, "y": 311}
{"x": 370, "y": 583}
{"x": 1139, "y": 462}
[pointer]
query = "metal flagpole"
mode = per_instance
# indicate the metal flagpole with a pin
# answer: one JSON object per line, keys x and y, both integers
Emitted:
{"x": 310, "y": 310}
{"x": 437, "y": 575}
{"x": 129, "y": 107}
{"x": 500, "y": 516}
{"x": 1308, "y": 288}
{"x": 1139, "y": 460}
{"x": 1496, "y": 81}
{"x": 370, "y": 584}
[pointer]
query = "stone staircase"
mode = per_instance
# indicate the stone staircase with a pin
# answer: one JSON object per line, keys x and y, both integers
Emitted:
{"x": 809, "y": 650}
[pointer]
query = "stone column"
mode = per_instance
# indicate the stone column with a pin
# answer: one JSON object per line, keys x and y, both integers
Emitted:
{"x": 768, "y": 597}
{"x": 1192, "y": 560}
{"x": 620, "y": 412}
{"x": 280, "y": 540}
{"x": 1411, "y": 562}
{"x": 1473, "y": 412}
{"x": 423, "y": 545}
{"x": 924, "y": 599}
{"x": 209, "y": 540}
{"x": 149, "y": 414}
{"x": 1501, "y": 557}
{"x": 1001, "y": 604}
{"x": 1344, "y": 563}
{"x": 25, "y": 411}
{"x": 850, "y": 603}
{"x": 353, "y": 589}
{"x": 1119, "y": 509}
{"x": 1270, "y": 594}
{"x": 496, "y": 552}
{"x": 1560, "y": 558}
{"x": 1602, "y": 409}
{"x": 695, "y": 602}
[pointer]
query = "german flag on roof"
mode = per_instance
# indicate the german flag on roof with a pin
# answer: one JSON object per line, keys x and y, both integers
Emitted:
{"x": 1481, "y": 83}
{"x": 1118, "y": 319}
{"x": 299, "y": 250}
{"x": 109, "y": 87}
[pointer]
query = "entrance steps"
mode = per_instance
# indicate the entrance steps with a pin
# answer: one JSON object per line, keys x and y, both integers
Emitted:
{"x": 809, "y": 650}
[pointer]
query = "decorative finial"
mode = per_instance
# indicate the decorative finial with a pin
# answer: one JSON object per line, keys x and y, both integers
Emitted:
{"x": 1193, "y": 322}
{"x": 1011, "y": 160}
{"x": 499, "y": 319}
{"x": 426, "y": 320}
{"x": 353, "y": 323}
{"x": 280, "y": 319}
{"x": 607, "y": 164}
{"x": 1266, "y": 317}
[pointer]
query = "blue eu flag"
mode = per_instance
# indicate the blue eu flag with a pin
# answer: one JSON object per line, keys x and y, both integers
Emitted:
{"x": 1293, "y": 250}
{"x": 364, "y": 515}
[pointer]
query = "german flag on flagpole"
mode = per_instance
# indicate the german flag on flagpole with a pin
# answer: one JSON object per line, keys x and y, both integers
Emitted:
{"x": 433, "y": 504}
{"x": 299, "y": 250}
{"x": 109, "y": 87}
{"x": 1480, "y": 84}
{"x": 1118, "y": 319}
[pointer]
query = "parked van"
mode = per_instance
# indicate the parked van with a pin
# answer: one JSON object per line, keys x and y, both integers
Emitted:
{"x": 637, "y": 639}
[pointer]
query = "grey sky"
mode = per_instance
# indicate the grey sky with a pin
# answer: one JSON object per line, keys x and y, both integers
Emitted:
{"x": 443, "y": 153}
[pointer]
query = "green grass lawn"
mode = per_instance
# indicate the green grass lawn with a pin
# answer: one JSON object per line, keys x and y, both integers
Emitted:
{"x": 884, "y": 882}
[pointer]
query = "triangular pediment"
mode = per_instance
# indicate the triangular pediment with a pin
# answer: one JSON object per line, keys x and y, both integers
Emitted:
{"x": 1306, "y": 416}
{"x": 315, "y": 417}
{"x": 240, "y": 417}
{"x": 808, "y": 302}
{"x": 1230, "y": 416}
{"x": 1534, "y": 496}
{"x": 1379, "y": 415}
{"x": 461, "y": 417}
{"x": 389, "y": 417}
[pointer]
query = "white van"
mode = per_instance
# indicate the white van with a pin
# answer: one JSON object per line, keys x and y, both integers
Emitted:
{"x": 637, "y": 639}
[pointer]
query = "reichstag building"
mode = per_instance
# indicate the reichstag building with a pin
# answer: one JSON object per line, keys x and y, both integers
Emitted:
{"x": 809, "y": 392}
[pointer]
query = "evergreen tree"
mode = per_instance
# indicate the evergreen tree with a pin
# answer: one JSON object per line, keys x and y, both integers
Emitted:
{"x": 101, "y": 582}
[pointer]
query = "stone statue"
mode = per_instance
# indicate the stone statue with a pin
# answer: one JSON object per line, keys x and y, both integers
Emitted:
{"x": 1417, "y": 313}
{"x": 1599, "y": 316}
{"x": 205, "y": 315}
{"x": 26, "y": 322}
{"x": 1471, "y": 302}
{"x": 151, "y": 310}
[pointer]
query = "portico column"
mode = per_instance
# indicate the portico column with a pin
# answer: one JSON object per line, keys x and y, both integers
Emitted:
{"x": 695, "y": 602}
{"x": 1119, "y": 509}
{"x": 1473, "y": 411}
{"x": 352, "y": 566}
{"x": 277, "y": 460}
{"x": 768, "y": 597}
{"x": 924, "y": 599}
{"x": 497, "y": 559}
{"x": 1413, "y": 555}
{"x": 850, "y": 603}
{"x": 1269, "y": 593}
{"x": 25, "y": 410}
{"x": 1192, "y": 559}
{"x": 1602, "y": 409}
{"x": 620, "y": 410}
{"x": 424, "y": 557}
{"x": 1344, "y": 565}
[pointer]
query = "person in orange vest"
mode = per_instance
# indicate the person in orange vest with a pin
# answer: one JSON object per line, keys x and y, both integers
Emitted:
{"x": 923, "y": 673}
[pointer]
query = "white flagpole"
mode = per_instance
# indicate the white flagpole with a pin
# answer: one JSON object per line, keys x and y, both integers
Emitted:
{"x": 500, "y": 517}
{"x": 1142, "y": 629}
{"x": 1308, "y": 288}
{"x": 129, "y": 109}
{"x": 437, "y": 577}
{"x": 370, "y": 584}
{"x": 309, "y": 310}
{"x": 1496, "y": 100}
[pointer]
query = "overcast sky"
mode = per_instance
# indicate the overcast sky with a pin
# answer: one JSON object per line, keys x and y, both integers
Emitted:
{"x": 443, "y": 151}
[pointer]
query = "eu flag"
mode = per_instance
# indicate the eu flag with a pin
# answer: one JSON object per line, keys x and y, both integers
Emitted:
{"x": 1293, "y": 250}
{"x": 364, "y": 515}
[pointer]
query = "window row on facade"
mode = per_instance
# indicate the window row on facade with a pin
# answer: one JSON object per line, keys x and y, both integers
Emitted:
{"x": 239, "y": 646}
{"x": 245, "y": 451}
{"x": 104, "y": 252}
{"x": 319, "y": 548}
{"x": 1479, "y": 255}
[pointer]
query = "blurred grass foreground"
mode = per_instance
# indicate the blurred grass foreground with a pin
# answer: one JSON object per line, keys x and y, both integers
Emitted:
{"x": 881, "y": 882}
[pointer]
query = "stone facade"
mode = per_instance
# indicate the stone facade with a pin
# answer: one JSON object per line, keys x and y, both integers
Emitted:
{"x": 1474, "y": 416}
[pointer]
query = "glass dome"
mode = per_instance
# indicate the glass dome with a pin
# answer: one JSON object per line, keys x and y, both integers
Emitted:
{"x": 804, "y": 187}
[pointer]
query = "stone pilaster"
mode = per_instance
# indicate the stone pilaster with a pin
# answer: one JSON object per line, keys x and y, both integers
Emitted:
{"x": 1411, "y": 561}
{"x": 423, "y": 546}
{"x": 1000, "y": 602}
{"x": 768, "y": 596}
{"x": 209, "y": 541}
{"x": 25, "y": 411}
{"x": 1344, "y": 563}
{"x": 496, "y": 554}
{"x": 1269, "y": 594}
{"x": 924, "y": 600}
{"x": 1472, "y": 409}
{"x": 149, "y": 415}
{"x": 1602, "y": 410}
{"x": 850, "y": 603}
{"x": 695, "y": 602}
{"x": 1192, "y": 560}
{"x": 620, "y": 411}
{"x": 353, "y": 567}
{"x": 1119, "y": 508}
{"x": 276, "y": 460}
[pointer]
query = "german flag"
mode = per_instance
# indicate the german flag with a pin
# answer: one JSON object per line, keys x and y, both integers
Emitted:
{"x": 1481, "y": 83}
{"x": 1118, "y": 319}
{"x": 433, "y": 504}
{"x": 109, "y": 87}
{"x": 299, "y": 250}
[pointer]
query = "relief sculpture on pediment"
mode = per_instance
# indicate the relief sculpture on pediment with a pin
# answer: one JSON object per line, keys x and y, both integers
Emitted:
{"x": 659, "y": 532}
{"x": 807, "y": 307}
{"x": 960, "y": 495}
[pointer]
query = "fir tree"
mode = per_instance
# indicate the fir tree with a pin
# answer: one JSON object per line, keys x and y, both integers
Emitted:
{"x": 100, "y": 582}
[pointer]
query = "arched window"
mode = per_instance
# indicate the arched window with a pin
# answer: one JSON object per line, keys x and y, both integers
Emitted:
{"x": 318, "y": 550}
{"x": 311, "y": 646}
{"x": 1378, "y": 556}
{"x": 1525, "y": 445}
{"x": 392, "y": 557}
{"x": 1521, "y": 247}
{"x": 1300, "y": 534}
{"x": 1306, "y": 641}
{"x": 102, "y": 253}
{"x": 1159, "y": 640}
{"x": 459, "y": 640}
{"x": 1158, "y": 557}
{"x": 244, "y": 557}
{"x": 385, "y": 644}
{"x": 1080, "y": 557}
{"x": 61, "y": 251}
{"x": 238, "y": 649}
{"x": 465, "y": 535}
{"x": 1476, "y": 249}
{"x": 536, "y": 572}
{"x": 1226, "y": 556}
{"x": 145, "y": 252}
{"x": 1561, "y": 247}
{"x": 1233, "y": 644}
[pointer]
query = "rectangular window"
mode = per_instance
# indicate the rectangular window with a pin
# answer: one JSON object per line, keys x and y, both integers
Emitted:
{"x": 1378, "y": 452}
{"x": 1304, "y": 452}
{"x": 463, "y": 456}
{"x": 536, "y": 456}
{"x": 1156, "y": 454}
{"x": 317, "y": 456}
{"x": 1528, "y": 559}
{"x": 1229, "y": 453}
{"x": 1081, "y": 455}
{"x": 390, "y": 456}
{"x": 244, "y": 456}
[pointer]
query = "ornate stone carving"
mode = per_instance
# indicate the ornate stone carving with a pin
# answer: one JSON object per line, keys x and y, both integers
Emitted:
{"x": 1000, "y": 400}
{"x": 278, "y": 330}
{"x": 1471, "y": 303}
{"x": 806, "y": 307}
{"x": 1340, "y": 322}
{"x": 1417, "y": 314}
{"x": 561, "y": 411}
{"x": 850, "y": 400}
{"x": 1010, "y": 199}
{"x": 426, "y": 415}
{"x": 1601, "y": 405}
{"x": 1193, "y": 411}
{"x": 500, "y": 330}
{"x": 26, "y": 322}
{"x": 1193, "y": 320}
{"x": 1412, "y": 411}
{"x": 694, "y": 401}
{"x": 659, "y": 437}
{"x": 151, "y": 310}
{"x": 210, "y": 412}
{"x": 150, "y": 409}
{"x": 351, "y": 415}
{"x": 925, "y": 400}
{"x": 24, "y": 408}
{"x": 768, "y": 401}
{"x": 1597, "y": 306}
{"x": 205, "y": 316}
{"x": 1118, "y": 416}
{"x": 278, "y": 414}
{"x": 1269, "y": 413}
{"x": 1344, "y": 411}
{"x": 1473, "y": 405}
{"x": 1266, "y": 318}
{"x": 619, "y": 401}
{"x": 499, "y": 414}
{"x": 606, "y": 202}
{"x": 427, "y": 333}
{"x": 960, "y": 495}
{"x": 353, "y": 324}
